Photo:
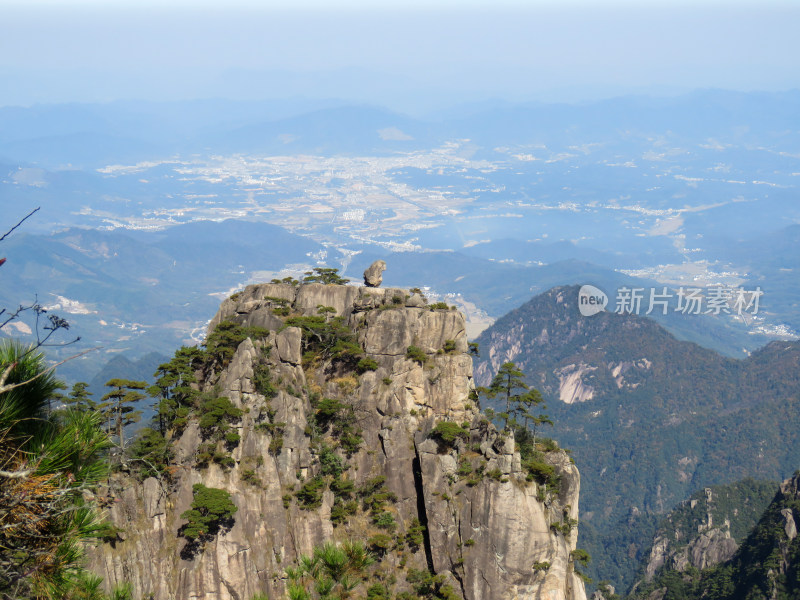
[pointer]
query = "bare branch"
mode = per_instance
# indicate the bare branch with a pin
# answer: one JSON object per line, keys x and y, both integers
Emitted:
{"x": 13, "y": 315}
{"x": 6, "y": 373}
{"x": 15, "y": 474}
{"x": 25, "y": 218}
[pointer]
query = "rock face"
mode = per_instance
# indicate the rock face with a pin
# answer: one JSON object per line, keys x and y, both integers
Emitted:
{"x": 492, "y": 534}
{"x": 764, "y": 566}
{"x": 373, "y": 276}
{"x": 706, "y": 530}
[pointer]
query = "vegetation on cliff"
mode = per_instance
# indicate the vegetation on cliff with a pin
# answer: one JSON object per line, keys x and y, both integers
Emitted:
{"x": 766, "y": 565}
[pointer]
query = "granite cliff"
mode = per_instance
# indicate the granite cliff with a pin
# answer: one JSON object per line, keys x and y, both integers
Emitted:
{"x": 414, "y": 469}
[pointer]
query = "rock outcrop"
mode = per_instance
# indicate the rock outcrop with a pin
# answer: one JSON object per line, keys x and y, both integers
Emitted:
{"x": 765, "y": 565}
{"x": 704, "y": 531}
{"x": 373, "y": 276}
{"x": 489, "y": 530}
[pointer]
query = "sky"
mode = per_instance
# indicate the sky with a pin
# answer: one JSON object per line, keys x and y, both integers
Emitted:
{"x": 409, "y": 55}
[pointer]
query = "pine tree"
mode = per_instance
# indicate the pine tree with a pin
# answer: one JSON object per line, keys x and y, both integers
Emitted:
{"x": 174, "y": 386}
{"x": 47, "y": 463}
{"x": 505, "y": 384}
{"x": 520, "y": 400}
{"x": 523, "y": 411}
{"x": 119, "y": 405}
{"x": 325, "y": 275}
{"x": 80, "y": 397}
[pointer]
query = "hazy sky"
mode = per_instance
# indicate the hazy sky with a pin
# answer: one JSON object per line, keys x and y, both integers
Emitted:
{"x": 401, "y": 54}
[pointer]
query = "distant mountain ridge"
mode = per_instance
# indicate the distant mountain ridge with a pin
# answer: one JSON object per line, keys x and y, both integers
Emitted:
{"x": 649, "y": 418}
{"x": 56, "y": 135}
{"x": 139, "y": 291}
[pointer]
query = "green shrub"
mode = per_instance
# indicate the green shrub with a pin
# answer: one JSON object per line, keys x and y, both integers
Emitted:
{"x": 342, "y": 488}
{"x": 415, "y": 534}
{"x": 380, "y": 543}
{"x": 495, "y": 474}
{"x": 249, "y": 476}
{"x": 446, "y": 433}
{"x": 416, "y": 354}
{"x": 384, "y": 520}
{"x": 309, "y": 497}
{"x": 428, "y": 585}
{"x": 338, "y": 417}
{"x": 342, "y": 509}
{"x": 330, "y": 463}
{"x": 226, "y": 337}
{"x": 464, "y": 467}
{"x": 150, "y": 453}
{"x": 211, "y": 509}
{"x": 286, "y": 280}
{"x": 449, "y": 346}
{"x": 328, "y": 409}
{"x": 564, "y": 527}
{"x": 278, "y": 306}
{"x": 215, "y": 414}
{"x": 439, "y": 306}
{"x": 325, "y": 339}
{"x": 547, "y": 444}
{"x": 541, "y": 472}
{"x": 580, "y": 555}
{"x": 375, "y": 495}
{"x": 366, "y": 364}
{"x": 262, "y": 380}
{"x": 378, "y": 591}
{"x": 208, "y": 452}
{"x": 276, "y": 301}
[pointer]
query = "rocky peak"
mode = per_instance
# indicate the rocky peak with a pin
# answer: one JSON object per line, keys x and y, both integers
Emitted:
{"x": 327, "y": 449}
{"x": 706, "y": 529}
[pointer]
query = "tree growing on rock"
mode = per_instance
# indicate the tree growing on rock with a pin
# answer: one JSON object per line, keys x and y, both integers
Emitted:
{"x": 509, "y": 385}
{"x": 519, "y": 399}
{"x": 211, "y": 511}
{"x": 119, "y": 406}
{"x": 176, "y": 389}
{"x": 325, "y": 275}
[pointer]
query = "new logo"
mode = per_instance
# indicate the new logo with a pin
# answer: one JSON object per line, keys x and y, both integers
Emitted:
{"x": 591, "y": 300}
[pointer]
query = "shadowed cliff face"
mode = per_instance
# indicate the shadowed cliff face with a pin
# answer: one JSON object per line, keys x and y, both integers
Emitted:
{"x": 486, "y": 526}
